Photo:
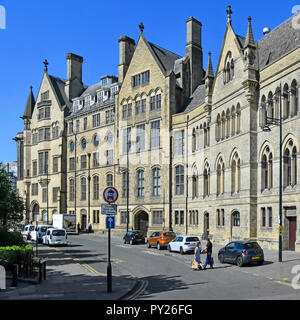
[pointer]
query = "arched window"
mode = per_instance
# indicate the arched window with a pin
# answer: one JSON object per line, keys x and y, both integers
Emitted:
{"x": 72, "y": 190}
{"x": 45, "y": 216}
{"x": 96, "y": 187}
{"x": 206, "y": 180}
{"x": 294, "y": 98}
{"x": 125, "y": 180}
{"x": 235, "y": 174}
{"x": 83, "y": 189}
{"x": 195, "y": 185}
{"x": 262, "y": 114}
{"x": 223, "y": 126}
{"x": 290, "y": 165}
{"x": 267, "y": 169}
{"x": 194, "y": 140}
{"x": 236, "y": 219}
{"x": 141, "y": 183}
{"x": 228, "y": 71}
{"x": 271, "y": 112}
{"x": 227, "y": 123}
{"x": 238, "y": 119}
{"x": 220, "y": 176}
{"x": 286, "y": 102}
{"x": 233, "y": 117}
{"x": 218, "y": 128}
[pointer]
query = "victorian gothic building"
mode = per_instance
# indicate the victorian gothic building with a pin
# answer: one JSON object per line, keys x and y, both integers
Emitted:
{"x": 186, "y": 147}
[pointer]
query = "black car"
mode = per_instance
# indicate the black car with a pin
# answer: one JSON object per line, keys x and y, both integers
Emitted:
{"x": 134, "y": 237}
{"x": 242, "y": 253}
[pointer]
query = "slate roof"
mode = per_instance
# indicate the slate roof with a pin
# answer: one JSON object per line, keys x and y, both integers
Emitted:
{"x": 197, "y": 99}
{"x": 59, "y": 87}
{"x": 92, "y": 89}
{"x": 278, "y": 42}
{"x": 166, "y": 58}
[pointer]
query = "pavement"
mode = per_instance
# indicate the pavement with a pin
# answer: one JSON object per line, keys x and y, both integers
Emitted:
{"x": 69, "y": 278}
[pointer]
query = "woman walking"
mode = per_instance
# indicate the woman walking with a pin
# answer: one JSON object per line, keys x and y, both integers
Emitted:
{"x": 197, "y": 256}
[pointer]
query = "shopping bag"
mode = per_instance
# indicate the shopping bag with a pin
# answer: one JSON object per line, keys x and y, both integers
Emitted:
{"x": 195, "y": 265}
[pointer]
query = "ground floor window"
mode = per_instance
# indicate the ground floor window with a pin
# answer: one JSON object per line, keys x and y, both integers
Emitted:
{"x": 179, "y": 217}
{"x": 157, "y": 217}
{"x": 96, "y": 216}
{"x": 123, "y": 219}
{"x": 236, "y": 219}
{"x": 220, "y": 217}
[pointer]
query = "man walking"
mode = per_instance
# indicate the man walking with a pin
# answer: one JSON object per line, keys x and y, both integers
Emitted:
{"x": 208, "y": 251}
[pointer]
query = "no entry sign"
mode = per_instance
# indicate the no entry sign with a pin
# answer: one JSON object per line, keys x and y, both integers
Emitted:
{"x": 110, "y": 195}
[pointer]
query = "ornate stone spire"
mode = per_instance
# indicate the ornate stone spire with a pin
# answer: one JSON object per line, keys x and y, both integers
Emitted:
{"x": 142, "y": 27}
{"x": 209, "y": 70}
{"x": 229, "y": 13}
{"x": 249, "y": 37}
{"x": 29, "y": 105}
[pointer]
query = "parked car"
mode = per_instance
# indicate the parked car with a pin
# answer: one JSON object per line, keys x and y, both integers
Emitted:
{"x": 134, "y": 237}
{"x": 160, "y": 239}
{"x": 55, "y": 237}
{"x": 28, "y": 230}
{"x": 40, "y": 232}
{"x": 183, "y": 244}
{"x": 242, "y": 253}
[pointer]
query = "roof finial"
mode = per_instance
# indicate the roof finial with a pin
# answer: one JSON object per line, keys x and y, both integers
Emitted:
{"x": 229, "y": 13}
{"x": 141, "y": 25}
{"x": 46, "y": 65}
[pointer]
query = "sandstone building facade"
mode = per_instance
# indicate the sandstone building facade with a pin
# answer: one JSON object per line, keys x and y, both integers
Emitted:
{"x": 186, "y": 147}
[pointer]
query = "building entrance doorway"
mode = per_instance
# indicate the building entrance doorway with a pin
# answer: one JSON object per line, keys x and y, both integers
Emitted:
{"x": 292, "y": 232}
{"x": 142, "y": 222}
{"x": 35, "y": 211}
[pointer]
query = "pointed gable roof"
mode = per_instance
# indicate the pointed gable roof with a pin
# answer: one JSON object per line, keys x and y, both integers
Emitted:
{"x": 165, "y": 57}
{"x": 58, "y": 85}
{"x": 29, "y": 105}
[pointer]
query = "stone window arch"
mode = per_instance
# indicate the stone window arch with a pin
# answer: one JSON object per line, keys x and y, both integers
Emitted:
{"x": 220, "y": 176}
{"x": 286, "y": 102}
{"x": 290, "y": 164}
{"x": 267, "y": 169}
{"x": 294, "y": 98}
{"x": 235, "y": 173}
{"x": 206, "y": 180}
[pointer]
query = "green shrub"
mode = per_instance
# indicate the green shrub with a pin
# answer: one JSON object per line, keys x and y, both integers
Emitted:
{"x": 16, "y": 254}
{"x": 10, "y": 238}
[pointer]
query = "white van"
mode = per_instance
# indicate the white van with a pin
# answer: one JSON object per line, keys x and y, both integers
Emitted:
{"x": 29, "y": 230}
{"x": 56, "y": 237}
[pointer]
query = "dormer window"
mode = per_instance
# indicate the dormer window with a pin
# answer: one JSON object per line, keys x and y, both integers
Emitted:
{"x": 228, "y": 68}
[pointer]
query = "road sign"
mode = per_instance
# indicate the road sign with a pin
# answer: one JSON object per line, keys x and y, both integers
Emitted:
{"x": 110, "y": 222}
{"x": 110, "y": 195}
{"x": 109, "y": 209}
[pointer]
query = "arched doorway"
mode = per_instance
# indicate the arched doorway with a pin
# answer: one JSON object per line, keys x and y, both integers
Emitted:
{"x": 35, "y": 211}
{"x": 235, "y": 225}
{"x": 141, "y": 222}
{"x": 206, "y": 225}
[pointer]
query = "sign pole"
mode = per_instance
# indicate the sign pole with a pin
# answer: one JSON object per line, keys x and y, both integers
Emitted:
{"x": 109, "y": 269}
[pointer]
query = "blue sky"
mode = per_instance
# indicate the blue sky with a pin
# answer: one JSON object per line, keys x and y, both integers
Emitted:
{"x": 38, "y": 30}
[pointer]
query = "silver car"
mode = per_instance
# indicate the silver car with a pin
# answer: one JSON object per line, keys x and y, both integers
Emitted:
{"x": 183, "y": 244}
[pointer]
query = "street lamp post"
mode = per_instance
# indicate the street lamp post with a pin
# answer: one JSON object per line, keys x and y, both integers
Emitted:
{"x": 127, "y": 187}
{"x": 89, "y": 191}
{"x": 277, "y": 122}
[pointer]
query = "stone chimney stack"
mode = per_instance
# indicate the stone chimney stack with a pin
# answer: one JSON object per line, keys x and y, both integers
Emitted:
{"x": 193, "y": 50}
{"x": 74, "y": 83}
{"x": 127, "y": 47}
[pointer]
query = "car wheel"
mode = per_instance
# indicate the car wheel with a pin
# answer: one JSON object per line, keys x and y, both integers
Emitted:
{"x": 169, "y": 248}
{"x": 148, "y": 245}
{"x": 181, "y": 250}
{"x": 221, "y": 258}
{"x": 158, "y": 246}
{"x": 239, "y": 261}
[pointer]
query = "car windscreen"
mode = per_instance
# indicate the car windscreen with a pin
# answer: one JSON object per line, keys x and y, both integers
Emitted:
{"x": 137, "y": 234}
{"x": 192, "y": 239}
{"x": 58, "y": 233}
{"x": 31, "y": 228}
{"x": 43, "y": 229}
{"x": 169, "y": 234}
{"x": 251, "y": 245}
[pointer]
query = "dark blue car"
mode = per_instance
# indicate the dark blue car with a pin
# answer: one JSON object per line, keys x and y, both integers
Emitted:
{"x": 242, "y": 253}
{"x": 134, "y": 237}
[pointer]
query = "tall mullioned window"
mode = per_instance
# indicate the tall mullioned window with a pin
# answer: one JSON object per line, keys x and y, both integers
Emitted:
{"x": 72, "y": 190}
{"x": 179, "y": 143}
{"x": 125, "y": 180}
{"x": 179, "y": 183}
{"x": 155, "y": 134}
{"x": 141, "y": 184}
{"x": 96, "y": 187}
{"x": 156, "y": 182}
{"x": 83, "y": 189}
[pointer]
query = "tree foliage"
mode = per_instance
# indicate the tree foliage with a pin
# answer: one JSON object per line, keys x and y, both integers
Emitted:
{"x": 11, "y": 204}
